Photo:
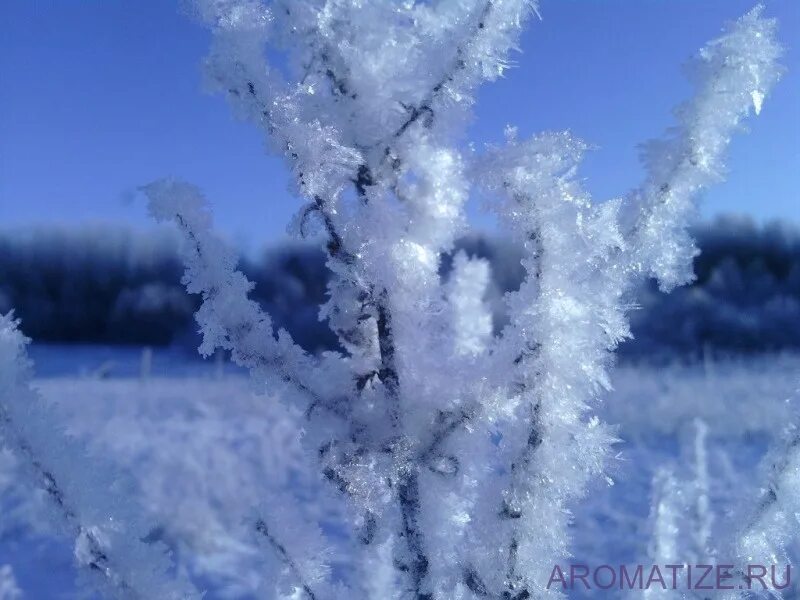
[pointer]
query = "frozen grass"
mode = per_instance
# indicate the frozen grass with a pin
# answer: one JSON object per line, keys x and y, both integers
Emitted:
{"x": 205, "y": 450}
{"x": 745, "y": 403}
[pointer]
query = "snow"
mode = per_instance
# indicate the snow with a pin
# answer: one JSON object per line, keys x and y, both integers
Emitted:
{"x": 204, "y": 450}
{"x": 88, "y": 501}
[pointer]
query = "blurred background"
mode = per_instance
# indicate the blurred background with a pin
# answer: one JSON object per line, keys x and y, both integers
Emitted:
{"x": 100, "y": 97}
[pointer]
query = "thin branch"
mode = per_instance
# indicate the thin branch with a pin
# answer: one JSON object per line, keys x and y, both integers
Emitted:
{"x": 262, "y": 529}
{"x": 124, "y": 562}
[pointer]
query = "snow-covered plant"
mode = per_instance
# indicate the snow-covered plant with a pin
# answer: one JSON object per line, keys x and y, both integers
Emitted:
{"x": 773, "y": 527}
{"x": 460, "y": 451}
{"x": 763, "y": 534}
{"x": 89, "y": 503}
{"x": 680, "y": 520}
{"x": 666, "y": 511}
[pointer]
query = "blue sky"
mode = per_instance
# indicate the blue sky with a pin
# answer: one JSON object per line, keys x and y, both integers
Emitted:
{"x": 100, "y": 96}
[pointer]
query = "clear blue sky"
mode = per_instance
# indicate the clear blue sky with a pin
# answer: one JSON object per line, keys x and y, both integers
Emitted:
{"x": 100, "y": 96}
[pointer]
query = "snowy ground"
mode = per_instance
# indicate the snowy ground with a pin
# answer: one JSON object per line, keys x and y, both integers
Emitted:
{"x": 205, "y": 450}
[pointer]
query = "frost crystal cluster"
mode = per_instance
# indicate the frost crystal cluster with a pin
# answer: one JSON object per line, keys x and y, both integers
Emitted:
{"x": 460, "y": 449}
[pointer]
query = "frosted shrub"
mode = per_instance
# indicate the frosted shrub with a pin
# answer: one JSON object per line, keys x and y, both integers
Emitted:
{"x": 460, "y": 451}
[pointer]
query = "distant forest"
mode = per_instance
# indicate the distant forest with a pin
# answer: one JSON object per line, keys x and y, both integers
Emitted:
{"x": 116, "y": 286}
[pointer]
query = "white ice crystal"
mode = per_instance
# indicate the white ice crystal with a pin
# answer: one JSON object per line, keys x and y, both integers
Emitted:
{"x": 460, "y": 450}
{"x": 732, "y": 75}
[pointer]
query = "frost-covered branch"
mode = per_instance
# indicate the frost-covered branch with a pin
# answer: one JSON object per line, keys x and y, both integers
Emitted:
{"x": 381, "y": 304}
{"x": 732, "y": 76}
{"x": 229, "y": 319}
{"x": 773, "y": 526}
{"x": 300, "y": 550}
{"x": 88, "y": 503}
{"x": 563, "y": 320}
{"x": 666, "y": 511}
{"x": 460, "y": 452}
{"x": 703, "y": 516}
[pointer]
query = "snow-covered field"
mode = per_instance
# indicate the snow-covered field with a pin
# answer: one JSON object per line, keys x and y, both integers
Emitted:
{"x": 205, "y": 450}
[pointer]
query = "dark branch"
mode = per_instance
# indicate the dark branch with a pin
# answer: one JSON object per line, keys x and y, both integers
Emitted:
{"x": 251, "y": 360}
{"x": 99, "y": 560}
{"x": 425, "y": 108}
{"x": 417, "y": 568}
{"x": 388, "y": 371}
{"x": 280, "y": 550}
